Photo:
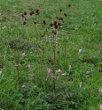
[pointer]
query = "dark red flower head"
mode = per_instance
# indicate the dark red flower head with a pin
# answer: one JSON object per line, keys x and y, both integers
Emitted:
{"x": 25, "y": 13}
{"x": 61, "y": 19}
{"x": 58, "y": 52}
{"x": 22, "y": 15}
{"x": 55, "y": 23}
{"x": 42, "y": 36}
{"x": 37, "y": 11}
{"x": 51, "y": 24}
{"x": 54, "y": 32}
{"x": 56, "y": 26}
{"x": 24, "y": 23}
{"x": 65, "y": 14}
{"x": 44, "y": 22}
{"x": 49, "y": 60}
{"x": 31, "y": 13}
{"x": 69, "y": 5}
{"x": 60, "y": 10}
{"x": 35, "y": 22}
{"x": 25, "y": 19}
{"x": 59, "y": 24}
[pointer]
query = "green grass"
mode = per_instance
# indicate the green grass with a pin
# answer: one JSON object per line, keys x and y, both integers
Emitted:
{"x": 82, "y": 30}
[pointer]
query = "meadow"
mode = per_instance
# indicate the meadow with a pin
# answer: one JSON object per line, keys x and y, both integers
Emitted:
{"x": 50, "y": 55}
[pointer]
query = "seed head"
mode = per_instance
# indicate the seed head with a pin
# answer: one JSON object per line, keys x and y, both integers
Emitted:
{"x": 65, "y": 14}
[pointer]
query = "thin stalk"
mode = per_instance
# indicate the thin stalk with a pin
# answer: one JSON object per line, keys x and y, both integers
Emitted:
{"x": 54, "y": 64}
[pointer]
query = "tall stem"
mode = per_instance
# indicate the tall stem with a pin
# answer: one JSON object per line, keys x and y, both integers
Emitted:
{"x": 54, "y": 65}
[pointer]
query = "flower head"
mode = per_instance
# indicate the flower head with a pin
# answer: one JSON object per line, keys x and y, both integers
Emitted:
{"x": 80, "y": 51}
{"x": 60, "y": 10}
{"x": 65, "y": 14}
{"x": 100, "y": 90}
{"x": 31, "y": 13}
{"x": 59, "y": 71}
{"x": 69, "y": 5}
{"x": 49, "y": 71}
{"x": 60, "y": 19}
{"x": 23, "y": 54}
{"x": 24, "y": 23}
{"x": 37, "y": 11}
{"x": 51, "y": 24}
{"x": 25, "y": 13}
{"x": 29, "y": 66}
{"x": 35, "y": 22}
{"x": 44, "y": 22}
{"x": 70, "y": 67}
{"x": 0, "y": 72}
{"x": 100, "y": 106}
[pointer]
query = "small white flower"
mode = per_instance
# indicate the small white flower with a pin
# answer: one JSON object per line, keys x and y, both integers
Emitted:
{"x": 80, "y": 51}
{"x": 31, "y": 52}
{"x": 23, "y": 54}
{"x": 23, "y": 86}
{"x": 80, "y": 85}
{"x": 64, "y": 74}
{"x": 0, "y": 72}
{"x": 69, "y": 67}
{"x": 100, "y": 90}
{"x": 100, "y": 106}
{"x": 29, "y": 66}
